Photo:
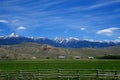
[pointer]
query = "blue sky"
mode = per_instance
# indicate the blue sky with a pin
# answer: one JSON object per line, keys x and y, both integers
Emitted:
{"x": 84, "y": 19}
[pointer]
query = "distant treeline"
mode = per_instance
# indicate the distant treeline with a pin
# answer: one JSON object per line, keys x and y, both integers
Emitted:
{"x": 110, "y": 57}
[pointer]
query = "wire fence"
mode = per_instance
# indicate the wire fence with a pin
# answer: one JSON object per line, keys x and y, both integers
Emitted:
{"x": 61, "y": 74}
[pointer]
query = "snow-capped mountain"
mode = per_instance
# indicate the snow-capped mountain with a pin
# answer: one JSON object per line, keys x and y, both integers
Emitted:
{"x": 13, "y": 35}
{"x": 57, "y": 42}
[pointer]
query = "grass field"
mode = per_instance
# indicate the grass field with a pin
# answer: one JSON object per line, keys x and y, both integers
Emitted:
{"x": 58, "y": 69}
{"x": 60, "y": 64}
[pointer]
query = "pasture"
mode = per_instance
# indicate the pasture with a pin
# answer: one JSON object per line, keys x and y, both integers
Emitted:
{"x": 60, "y": 69}
{"x": 59, "y": 64}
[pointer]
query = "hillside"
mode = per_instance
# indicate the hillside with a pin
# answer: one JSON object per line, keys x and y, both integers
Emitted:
{"x": 43, "y": 51}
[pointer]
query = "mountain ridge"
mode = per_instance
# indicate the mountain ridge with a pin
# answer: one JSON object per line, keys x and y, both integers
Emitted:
{"x": 71, "y": 42}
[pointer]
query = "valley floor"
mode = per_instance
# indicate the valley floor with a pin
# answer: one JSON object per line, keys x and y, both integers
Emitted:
{"x": 59, "y": 64}
{"x": 56, "y": 69}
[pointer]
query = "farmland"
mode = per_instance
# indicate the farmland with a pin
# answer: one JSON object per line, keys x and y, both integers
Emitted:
{"x": 59, "y": 64}
{"x": 62, "y": 69}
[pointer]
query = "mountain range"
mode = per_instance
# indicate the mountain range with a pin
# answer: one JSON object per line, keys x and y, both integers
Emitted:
{"x": 71, "y": 42}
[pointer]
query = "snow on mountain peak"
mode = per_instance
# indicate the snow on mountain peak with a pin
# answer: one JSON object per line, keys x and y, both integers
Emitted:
{"x": 2, "y": 37}
{"x": 13, "y": 35}
{"x": 72, "y": 39}
{"x": 59, "y": 39}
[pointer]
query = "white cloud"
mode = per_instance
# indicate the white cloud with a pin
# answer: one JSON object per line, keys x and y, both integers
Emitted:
{"x": 3, "y": 21}
{"x": 119, "y": 37}
{"x": 107, "y": 31}
{"x": 21, "y": 28}
{"x": 82, "y": 29}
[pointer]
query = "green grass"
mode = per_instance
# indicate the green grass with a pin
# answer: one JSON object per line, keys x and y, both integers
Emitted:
{"x": 60, "y": 64}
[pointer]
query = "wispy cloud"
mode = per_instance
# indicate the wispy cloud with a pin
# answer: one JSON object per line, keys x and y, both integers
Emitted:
{"x": 119, "y": 37}
{"x": 61, "y": 15}
{"x": 95, "y": 6}
{"x": 3, "y": 21}
{"x": 102, "y": 4}
{"x": 82, "y": 29}
{"x": 44, "y": 17}
{"x": 108, "y": 31}
{"x": 21, "y": 28}
{"x": 48, "y": 4}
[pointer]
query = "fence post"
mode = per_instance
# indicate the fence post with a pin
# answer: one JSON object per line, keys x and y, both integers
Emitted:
{"x": 7, "y": 76}
{"x": 59, "y": 74}
{"x": 115, "y": 75}
{"x": 20, "y": 75}
{"x": 39, "y": 76}
{"x": 97, "y": 73}
{"x": 78, "y": 74}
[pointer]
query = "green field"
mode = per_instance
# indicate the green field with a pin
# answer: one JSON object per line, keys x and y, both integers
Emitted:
{"x": 60, "y": 64}
{"x": 59, "y": 69}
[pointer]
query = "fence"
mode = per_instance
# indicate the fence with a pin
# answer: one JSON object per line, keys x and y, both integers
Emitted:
{"x": 61, "y": 74}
